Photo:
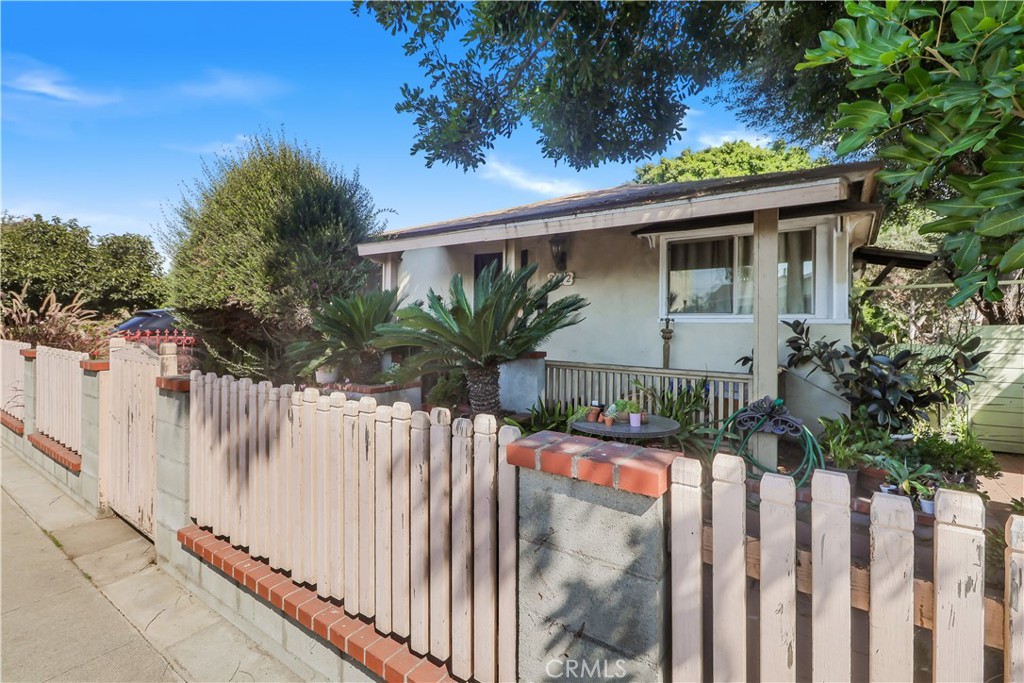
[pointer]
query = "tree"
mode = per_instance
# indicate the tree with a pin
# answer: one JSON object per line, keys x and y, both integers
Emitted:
{"x": 946, "y": 79}
{"x": 46, "y": 255}
{"x": 264, "y": 238}
{"x": 506, "y": 319}
{"x": 110, "y": 272}
{"x": 738, "y": 158}
{"x": 127, "y": 273}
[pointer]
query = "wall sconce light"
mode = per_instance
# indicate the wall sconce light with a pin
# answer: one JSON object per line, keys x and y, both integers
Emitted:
{"x": 558, "y": 253}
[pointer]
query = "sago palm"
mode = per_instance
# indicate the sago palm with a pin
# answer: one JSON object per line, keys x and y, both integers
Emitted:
{"x": 506, "y": 319}
{"x": 347, "y": 326}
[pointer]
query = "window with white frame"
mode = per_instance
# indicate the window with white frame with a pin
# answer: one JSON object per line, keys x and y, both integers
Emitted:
{"x": 715, "y": 276}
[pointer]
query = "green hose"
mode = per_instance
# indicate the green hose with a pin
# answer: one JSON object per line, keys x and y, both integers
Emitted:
{"x": 812, "y": 459}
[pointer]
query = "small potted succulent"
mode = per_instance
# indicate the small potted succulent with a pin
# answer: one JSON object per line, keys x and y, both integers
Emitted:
{"x": 611, "y": 413}
{"x": 926, "y": 499}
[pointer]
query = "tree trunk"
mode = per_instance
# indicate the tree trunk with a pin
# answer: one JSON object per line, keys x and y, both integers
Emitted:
{"x": 484, "y": 393}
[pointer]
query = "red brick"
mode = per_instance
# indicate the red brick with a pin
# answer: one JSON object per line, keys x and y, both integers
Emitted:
{"x": 359, "y": 642}
{"x": 293, "y": 600}
{"x": 279, "y": 592}
{"x": 308, "y": 610}
{"x": 94, "y": 365}
{"x": 187, "y": 534}
{"x": 212, "y": 547}
{"x": 380, "y": 652}
{"x": 427, "y": 672}
{"x": 398, "y": 666}
{"x": 226, "y": 558}
{"x": 598, "y": 465}
{"x": 252, "y": 576}
{"x": 557, "y": 458}
{"x": 322, "y": 620}
{"x": 343, "y": 629}
{"x": 523, "y": 453}
{"x": 647, "y": 473}
{"x": 28, "y": 353}
{"x": 200, "y": 542}
{"x": 177, "y": 384}
{"x": 266, "y": 583}
{"x": 12, "y": 423}
{"x": 243, "y": 567}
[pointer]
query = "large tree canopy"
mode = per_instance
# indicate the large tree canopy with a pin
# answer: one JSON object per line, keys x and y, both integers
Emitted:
{"x": 730, "y": 159}
{"x": 263, "y": 238}
{"x": 942, "y": 83}
{"x": 112, "y": 272}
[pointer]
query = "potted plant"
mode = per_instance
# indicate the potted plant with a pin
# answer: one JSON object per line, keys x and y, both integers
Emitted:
{"x": 326, "y": 374}
{"x": 844, "y": 452}
{"x": 632, "y": 408}
{"x": 926, "y": 499}
{"x": 909, "y": 479}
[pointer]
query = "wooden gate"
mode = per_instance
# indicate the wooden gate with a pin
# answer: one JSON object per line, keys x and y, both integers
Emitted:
{"x": 128, "y": 476}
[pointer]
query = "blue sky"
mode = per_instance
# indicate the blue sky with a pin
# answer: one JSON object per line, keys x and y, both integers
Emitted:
{"x": 108, "y": 109}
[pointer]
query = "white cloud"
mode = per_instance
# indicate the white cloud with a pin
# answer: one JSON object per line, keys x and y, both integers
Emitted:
{"x": 713, "y": 139}
{"x": 220, "y": 84}
{"x": 522, "y": 179}
{"x": 34, "y": 78}
{"x": 213, "y": 147}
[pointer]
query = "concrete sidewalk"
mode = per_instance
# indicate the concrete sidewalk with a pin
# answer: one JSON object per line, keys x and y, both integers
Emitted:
{"x": 82, "y": 600}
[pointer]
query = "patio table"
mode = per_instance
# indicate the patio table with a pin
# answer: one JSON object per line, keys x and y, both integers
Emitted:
{"x": 657, "y": 427}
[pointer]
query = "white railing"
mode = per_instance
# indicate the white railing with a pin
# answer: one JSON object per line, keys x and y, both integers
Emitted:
{"x": 408, "y": 518}
{"x": 59, "y": 395}
{"x": 576, "y": 384}
{"x": 12, "y": 378}
{"x": 954, "y": 606}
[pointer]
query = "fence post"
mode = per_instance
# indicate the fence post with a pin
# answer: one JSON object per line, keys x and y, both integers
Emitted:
{"x": 95, "y": 433}
{"x": 891, "y": 613}
{"x": 830, "y": 576}
{"x": 171, "y": 497}
{"x": 778, "y": 578}
{"x": 729, "y": 570}
{"x": 687, "y": 592}
{"x": 1013, "y": 608}
{"x": 959, "y": 639}
{"x": 29, "y": 393}
{"x": 168, "y": 359}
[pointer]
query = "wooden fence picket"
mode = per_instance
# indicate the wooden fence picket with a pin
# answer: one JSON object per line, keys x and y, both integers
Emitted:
{"x": 1013, "y": 628}
{"x": 295, "y": 488}
{"x": 462, "y": 548}
{"x": 195, "y": 432}
{"x": 350, "y": 505}
{"x": 778, "y": 578}
{"x": 285, "y": 450}
{"x": 440, "y": 533}
{"x": 336, "y": 507}
{"x": 382, "y": 517}
{"x": 419, "y": 533}
{"x": 959, "y": 637}
{"x": 729, "y": 571}
{"x": 508, "y": 556}
{"x": 401, "y": 415}
{"x": 687, "y": 593}
{"x": 322, "y": 482}
{"x": 830, "y": 558}
{"x": 275, "y": 476}
{"x": 484, "y": 578}
{"x": 891, "y": 621}
{"x": 367, "y": 502}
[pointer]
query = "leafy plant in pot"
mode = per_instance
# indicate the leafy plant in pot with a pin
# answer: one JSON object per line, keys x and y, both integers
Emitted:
{"x": 909, "y": 479}
{"x": 851, "y": 443}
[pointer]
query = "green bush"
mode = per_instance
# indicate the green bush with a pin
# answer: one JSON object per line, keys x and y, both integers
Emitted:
{"x": 960, "y": 458}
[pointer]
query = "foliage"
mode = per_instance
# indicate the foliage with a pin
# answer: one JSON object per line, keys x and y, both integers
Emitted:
{"x": 960, "y": 457}
{"x": 507, "y": 318}
{"x": 738, "y": 158}
{"x": 263, "y": 238}
{"x": 111, "y": 272}
{"x": 549, "y": 416}
{"x": 895, "y": 385}
{"x": 851, "y": 441}
{"x": 947, "y": 78}
{"x": 911, "y": 478}
{"x": 64, "y": 326}
{"x": 682, "y": 403}
{"x": 347, "y": 326}
{"x": 450, "y": 390}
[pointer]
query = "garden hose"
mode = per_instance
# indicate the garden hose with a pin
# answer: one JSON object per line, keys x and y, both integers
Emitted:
{"x": 772, "y": 417}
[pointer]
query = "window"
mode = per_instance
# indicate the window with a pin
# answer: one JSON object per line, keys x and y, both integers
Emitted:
{"x": 716, "y": 276}
{"x": 481, "y": 261}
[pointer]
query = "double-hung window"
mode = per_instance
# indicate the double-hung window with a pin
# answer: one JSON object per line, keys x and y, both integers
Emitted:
{"x": 715, "y": 276}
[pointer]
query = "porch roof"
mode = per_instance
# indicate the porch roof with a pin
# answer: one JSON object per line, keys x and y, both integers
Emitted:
{"x": 643, "y": 206}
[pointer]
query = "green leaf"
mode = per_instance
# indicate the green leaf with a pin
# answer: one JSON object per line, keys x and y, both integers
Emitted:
{"x": 902, "y": 154}
{"x": 1002, "y": 179}
{"x": 917, "y": 78}
{"x": 924, "y": 143}
{"x": 997, "y": 224}
{"x": 958, "y": 93}
{"x": 960, "y": 206}
{"x": 1004, "y": 162}
{"x": 1013, "y": 259}
{"x": 962, "y": 20}
{"x": 851, "y": 142}
{"x": 949, "y": 225}
{"x": 1000, "y": 196}
{"x": 898, "y": 94}
{"x": 967, "y": 253}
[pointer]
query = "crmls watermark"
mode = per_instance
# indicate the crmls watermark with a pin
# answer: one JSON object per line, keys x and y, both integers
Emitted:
{"x": 581, "y": 668}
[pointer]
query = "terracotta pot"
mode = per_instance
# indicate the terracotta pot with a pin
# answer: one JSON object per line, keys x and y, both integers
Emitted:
{"x": 609, "y": 421}
{"x": 644, "y": 417}
{"x": 871, "y": 478}
{"x": 593, "y": 414}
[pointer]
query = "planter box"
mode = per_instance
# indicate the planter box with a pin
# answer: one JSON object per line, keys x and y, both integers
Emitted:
{"x": 383, "y": 394}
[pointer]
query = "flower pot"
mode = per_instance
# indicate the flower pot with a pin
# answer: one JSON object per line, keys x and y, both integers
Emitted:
{"x": 927, "y": 506}
{"x": 609, "y": 420}
{"x": 871, "y": 478}
{"x": 644, "y": 417}
{"x": 593, "y": 414}
{"x": 888, "y": 488}
{"x": 635, "y": 419}
{"x": 326, "y": 374}
{"x": 852, "y": 473}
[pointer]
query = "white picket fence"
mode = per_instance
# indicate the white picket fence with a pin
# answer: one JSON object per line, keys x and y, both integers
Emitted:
{"x": 59, "y": 395}
{"x": 954, "y": 606}
{"x": 12, "y": 378}
{"x": 128, "y": 465}
{"x": 408, "y": 518}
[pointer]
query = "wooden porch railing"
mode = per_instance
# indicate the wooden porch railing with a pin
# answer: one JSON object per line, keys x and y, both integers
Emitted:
{"x": 577, "y": 384}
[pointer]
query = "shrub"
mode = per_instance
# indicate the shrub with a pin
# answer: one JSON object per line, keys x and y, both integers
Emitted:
{"x": 450, "y": 390}
{"x": 850, "y": 441}
{"x": 960, "y": 458}
{"x": 71, "y": 326}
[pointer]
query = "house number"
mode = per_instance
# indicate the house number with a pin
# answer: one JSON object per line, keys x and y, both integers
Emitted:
{"x": 569, "y": 278}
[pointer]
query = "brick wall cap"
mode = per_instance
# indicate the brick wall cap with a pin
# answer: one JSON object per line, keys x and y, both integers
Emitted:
{"x": 94, "y": 365}
{"x": 177, "y": 383}
{"x": 28, "y": 353}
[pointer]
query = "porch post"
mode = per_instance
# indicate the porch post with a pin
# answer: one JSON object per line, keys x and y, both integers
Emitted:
{"x": 511, "y": 255}
{"x": 389, "y": 272}
{"x": 766, "y": 324}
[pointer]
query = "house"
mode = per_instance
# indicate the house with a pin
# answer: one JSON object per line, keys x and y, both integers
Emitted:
{"x": 683, "y": 278}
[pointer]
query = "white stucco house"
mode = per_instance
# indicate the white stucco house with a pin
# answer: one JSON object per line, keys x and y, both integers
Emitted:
{"x": 683, "y": 278}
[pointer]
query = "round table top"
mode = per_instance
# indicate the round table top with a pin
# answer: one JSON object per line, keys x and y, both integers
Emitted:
{"x": 656, "y": 427}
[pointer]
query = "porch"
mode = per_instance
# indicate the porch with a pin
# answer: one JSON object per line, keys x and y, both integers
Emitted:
{"x": 576, "y": 384}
